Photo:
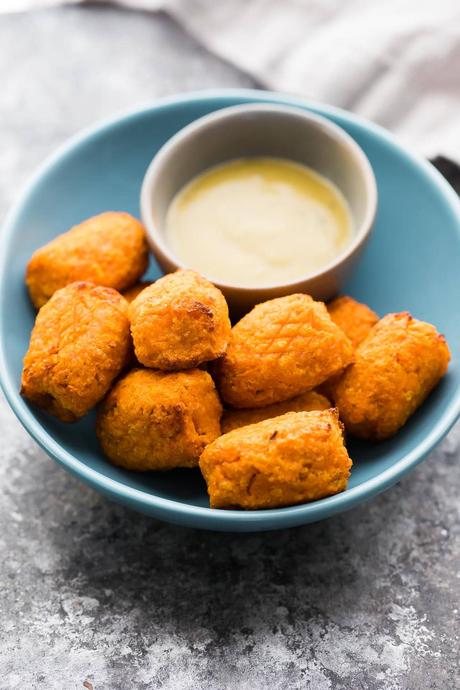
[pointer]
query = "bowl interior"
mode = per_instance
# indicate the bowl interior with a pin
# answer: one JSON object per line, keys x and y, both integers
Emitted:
{"x": 258, "y": 130}
{"x": 411, "y": 262}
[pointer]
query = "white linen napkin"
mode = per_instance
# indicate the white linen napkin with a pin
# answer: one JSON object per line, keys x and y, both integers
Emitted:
{"x": 396, "y": 62}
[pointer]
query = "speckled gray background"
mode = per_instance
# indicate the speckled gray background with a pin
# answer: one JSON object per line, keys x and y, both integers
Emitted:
{"x": 95, "y": 596}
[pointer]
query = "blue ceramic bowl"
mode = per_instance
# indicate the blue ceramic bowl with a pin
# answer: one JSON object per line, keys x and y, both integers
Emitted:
{"x": 412, "y": 262}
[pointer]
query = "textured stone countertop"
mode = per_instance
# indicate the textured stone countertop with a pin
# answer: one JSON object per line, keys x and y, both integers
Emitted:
{"x": 95, "y": 596}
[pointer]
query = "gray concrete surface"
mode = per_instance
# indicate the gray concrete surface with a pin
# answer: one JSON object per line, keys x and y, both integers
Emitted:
{"x": 94, "y": 596}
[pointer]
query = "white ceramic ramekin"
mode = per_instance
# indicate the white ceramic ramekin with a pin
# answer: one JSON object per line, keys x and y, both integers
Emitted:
{"x": 263, "y": 130}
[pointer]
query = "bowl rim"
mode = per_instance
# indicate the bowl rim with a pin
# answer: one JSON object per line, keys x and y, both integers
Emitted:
{"x": 170, "y": 509}
{"x": 196, "y": 127}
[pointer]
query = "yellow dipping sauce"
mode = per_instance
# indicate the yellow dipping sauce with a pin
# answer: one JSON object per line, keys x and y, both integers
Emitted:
{"x": 258, "y": 221}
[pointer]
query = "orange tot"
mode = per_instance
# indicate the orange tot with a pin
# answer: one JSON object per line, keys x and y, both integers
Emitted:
{"x": 294, "y": 458}
{"x": 311, "y": 400}
{"x": 282, "y": 348}
{"x": 79, "y": 344}
{"x": 354, "y": 318}
{"x": 155, "y": 420}
{"x": 180, "y": 321}
{"x": 131, "y": 293}
{"x": 109, "y": 250}
{"x": 396, "y": 367}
